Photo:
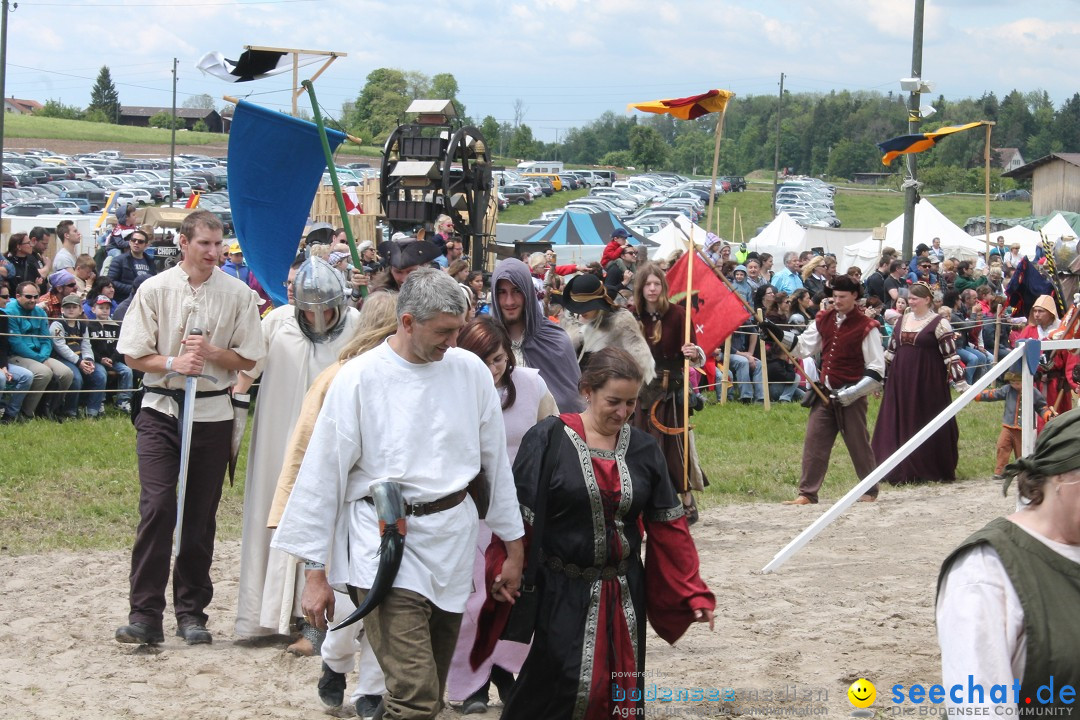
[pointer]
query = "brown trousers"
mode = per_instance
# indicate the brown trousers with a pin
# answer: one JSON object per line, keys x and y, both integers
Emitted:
{"x": 414, "y": 643}
{"x": 158, "y": 448}
{"x": 1008, "y": 442}
{"x": 821, "y": 430}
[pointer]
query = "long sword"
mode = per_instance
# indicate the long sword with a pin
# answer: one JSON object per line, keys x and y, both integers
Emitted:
{"x": 187, "y": 422}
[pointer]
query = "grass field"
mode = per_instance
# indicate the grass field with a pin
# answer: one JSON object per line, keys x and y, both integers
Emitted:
{"x": 29, "y": 126}
{"x": 75, "y": 486}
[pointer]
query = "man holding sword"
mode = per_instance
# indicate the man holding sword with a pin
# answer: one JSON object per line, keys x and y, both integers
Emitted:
{"x": 190, "y": 322}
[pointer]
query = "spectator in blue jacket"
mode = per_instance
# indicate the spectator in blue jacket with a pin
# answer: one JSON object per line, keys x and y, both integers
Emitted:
{"x": 14, "y": 380}
{"x": 31, "y": 348}
{"x": 125, "y": 268}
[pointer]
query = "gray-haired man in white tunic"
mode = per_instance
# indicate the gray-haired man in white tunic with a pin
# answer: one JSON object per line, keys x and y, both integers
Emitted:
{"x": 419, "y": 412}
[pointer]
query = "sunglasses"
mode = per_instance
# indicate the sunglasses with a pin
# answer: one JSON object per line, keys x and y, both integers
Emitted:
{"x": 30, "y": 297}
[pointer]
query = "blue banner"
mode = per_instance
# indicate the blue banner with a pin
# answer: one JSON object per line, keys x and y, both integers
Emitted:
{"x": 276, "y": 163}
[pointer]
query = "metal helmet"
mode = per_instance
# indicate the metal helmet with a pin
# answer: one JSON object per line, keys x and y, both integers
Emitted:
{"x": 319, "y": 287}
{"x": 1064, "y": 253}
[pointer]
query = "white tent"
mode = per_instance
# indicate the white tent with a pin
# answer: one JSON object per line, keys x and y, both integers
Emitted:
{"x": 782, "y": 235}
{"x": 929, "y": 224}
{"x": 670, "y": 239}
{"x": 1057, "y": 228}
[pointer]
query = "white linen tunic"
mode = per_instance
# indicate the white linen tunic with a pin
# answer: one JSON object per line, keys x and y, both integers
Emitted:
{"x": 429, "y": 427}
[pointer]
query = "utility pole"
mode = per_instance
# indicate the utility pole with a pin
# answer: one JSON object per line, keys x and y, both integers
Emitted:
{"x": 3, "y": 70}
{"x": 776, "y": 160}
{"x": 172, "y": 142}
{"x": 914, "y": 118}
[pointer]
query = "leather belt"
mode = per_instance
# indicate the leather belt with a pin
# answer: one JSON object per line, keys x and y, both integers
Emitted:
{"x": 435, "y": 506}
{"x": 178, "y": 395}
{"x": 589, "y": 574}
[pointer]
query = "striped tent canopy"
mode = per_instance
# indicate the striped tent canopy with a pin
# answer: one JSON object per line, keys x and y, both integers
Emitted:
{"x": 575, "y": 228}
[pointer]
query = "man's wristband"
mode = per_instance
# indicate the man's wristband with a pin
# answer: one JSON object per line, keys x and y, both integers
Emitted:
{"x": 168, "y": 364}
{"x": 312, "y": 565}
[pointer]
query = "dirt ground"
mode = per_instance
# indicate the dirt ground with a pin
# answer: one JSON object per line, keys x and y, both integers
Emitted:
{"x": 856, "y": 602}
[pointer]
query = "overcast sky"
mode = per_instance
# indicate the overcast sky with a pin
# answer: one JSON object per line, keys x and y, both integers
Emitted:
{"x": 567, "y": 60}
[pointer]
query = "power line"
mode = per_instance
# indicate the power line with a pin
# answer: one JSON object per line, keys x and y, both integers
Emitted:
{"x": 172, "y": 4}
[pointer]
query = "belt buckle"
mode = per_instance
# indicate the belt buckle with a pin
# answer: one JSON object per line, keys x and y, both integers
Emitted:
{"x": 590, "y": 574}
{"x": 419, "y": 508}
{"x": 608, "y": 573}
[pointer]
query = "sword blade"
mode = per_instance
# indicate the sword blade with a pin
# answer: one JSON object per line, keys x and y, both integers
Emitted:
{"x": 186, "y": 426}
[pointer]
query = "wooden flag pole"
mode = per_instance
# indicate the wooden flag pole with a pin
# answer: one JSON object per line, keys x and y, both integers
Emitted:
{"x": 986, "y": 157}
{"x": 715, "y": 168}
{"x": 691, "y": 256}
{"x": 734, "y": 216}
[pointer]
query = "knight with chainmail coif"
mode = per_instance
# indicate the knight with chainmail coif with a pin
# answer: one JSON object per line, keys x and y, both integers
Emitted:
{"x": 301, "y": 341}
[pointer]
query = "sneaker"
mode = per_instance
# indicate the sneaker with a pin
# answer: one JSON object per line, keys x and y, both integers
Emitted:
{"x": 139, "y": 634}
{"x": 194, "y": 634}
{"x": 331, "y": 687}
{"x": 124, "y": 406}
{"x": 997, "y": 476}
{"x": 367, "y": 705}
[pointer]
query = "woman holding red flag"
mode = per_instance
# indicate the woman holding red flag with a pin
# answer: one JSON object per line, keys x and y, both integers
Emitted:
{"x": 659, "y": 411}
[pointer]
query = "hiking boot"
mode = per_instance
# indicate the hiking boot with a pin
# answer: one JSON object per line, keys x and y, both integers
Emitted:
{"x": 139, "y": 634}
{"x": 331, "y": 687}
{"x": 124, "y": 406}
{"x": 194, "y": 634}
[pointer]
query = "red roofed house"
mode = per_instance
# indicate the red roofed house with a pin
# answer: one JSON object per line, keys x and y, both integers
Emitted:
{"x": 21, "y": 107}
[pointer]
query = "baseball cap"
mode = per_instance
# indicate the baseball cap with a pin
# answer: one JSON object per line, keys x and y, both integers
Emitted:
{"x": 70, "y": 300}
{"x": 102, "y": 299}
{"x": 619, "y": 233}
{"x": 235, "y": 248}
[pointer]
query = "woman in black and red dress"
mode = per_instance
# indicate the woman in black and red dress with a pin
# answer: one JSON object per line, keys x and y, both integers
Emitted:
{"x": 922, "y": 361}
{"x": 659, "y": 411}
{"x": 608, "y": 482}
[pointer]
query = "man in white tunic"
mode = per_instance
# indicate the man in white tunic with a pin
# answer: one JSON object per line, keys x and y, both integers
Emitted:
{"x": 419, "y": 412}
{"x": 302, "y": 340}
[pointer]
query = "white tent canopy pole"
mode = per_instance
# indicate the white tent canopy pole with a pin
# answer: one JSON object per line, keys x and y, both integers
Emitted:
{"x": 907, "y": 448}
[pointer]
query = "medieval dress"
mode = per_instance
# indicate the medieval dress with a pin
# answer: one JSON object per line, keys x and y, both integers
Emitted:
{"x": 661, "y": 401}
{"x": 594, "y": 598}
{"x": 921, "y": 362}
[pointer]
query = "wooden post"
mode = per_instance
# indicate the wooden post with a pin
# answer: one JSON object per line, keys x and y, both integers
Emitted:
{"x": 997, "y": 330}
{"x": 734, "y": 215}
{"x": 722, "y": 383}
{"x": 764, "y": 369}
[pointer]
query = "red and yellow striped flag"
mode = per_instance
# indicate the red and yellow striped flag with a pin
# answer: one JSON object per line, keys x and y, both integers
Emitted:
{"x": 687, "y": 108}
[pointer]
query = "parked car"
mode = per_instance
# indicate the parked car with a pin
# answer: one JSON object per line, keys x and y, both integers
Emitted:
{"x": 1014, "y": 194}
{"x": 517, "y": 195}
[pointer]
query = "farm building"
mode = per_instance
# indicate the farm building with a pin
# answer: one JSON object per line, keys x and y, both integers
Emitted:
{"x": 1055, "y": 182}
{"x": 139, "y": 116}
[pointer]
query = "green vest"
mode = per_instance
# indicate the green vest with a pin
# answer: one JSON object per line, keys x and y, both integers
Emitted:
{"x": 1049, "y": 589}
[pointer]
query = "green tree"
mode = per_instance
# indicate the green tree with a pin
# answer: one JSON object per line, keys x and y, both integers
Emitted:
{"x": 522, "y": 144}
{"x": 104, "y": 97}
{"x": 200, "y": 102}
{"x": 97, "y": 116}
{"x": 489, "y": 126}
{"x": 57, "y": 109}
{"x": 617, "y": 158}
{"x": 381, "y": 104}
{"x": 647, "y": 147}
{"x": 164, "y": 119}
{"x": 200, "y": 126}
{"x": 445, "y": 87}
{"x": 848, "y": 157}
